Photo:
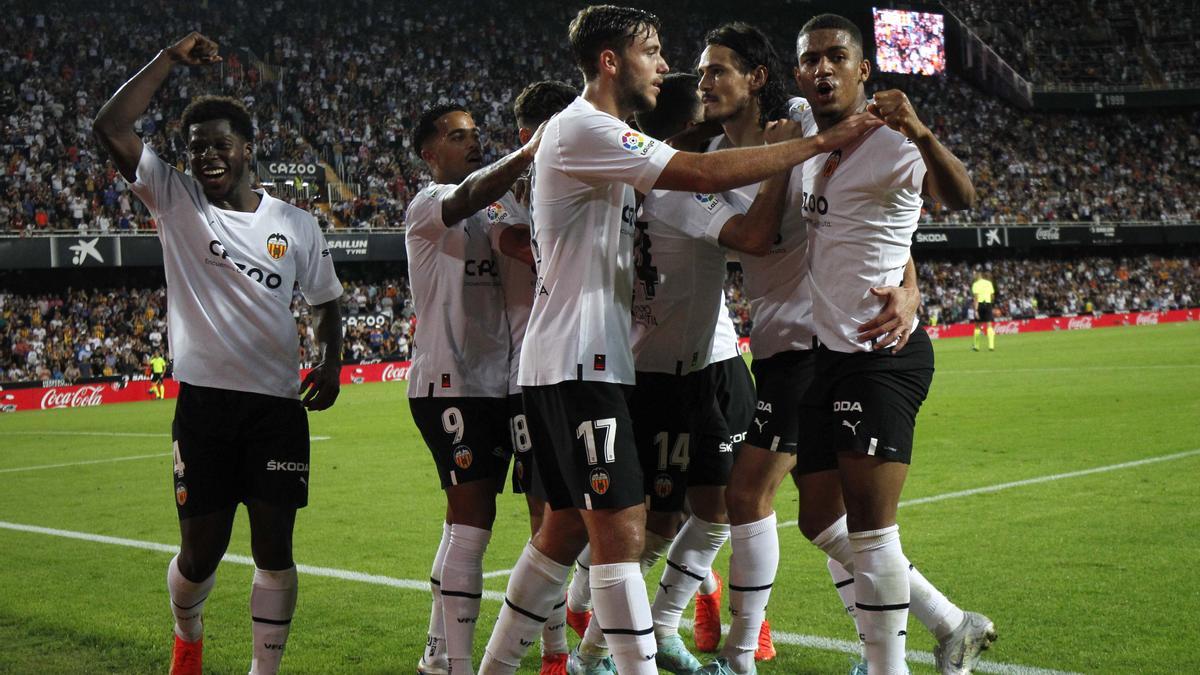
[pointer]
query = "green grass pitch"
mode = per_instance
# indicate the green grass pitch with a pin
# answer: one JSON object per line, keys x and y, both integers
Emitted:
{"x": 1082, "y": 571}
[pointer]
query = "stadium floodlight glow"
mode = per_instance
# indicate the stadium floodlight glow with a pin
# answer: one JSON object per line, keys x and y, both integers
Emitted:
{"x": 909, "y": 43}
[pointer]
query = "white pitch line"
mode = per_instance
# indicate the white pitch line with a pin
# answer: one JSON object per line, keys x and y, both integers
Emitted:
{"x": 1033, "y": 481}
{"x": 92, "y": 461}
{"x": 115, "y": 434}
{"x": 913, "y": 656}
{"x": 780, "y": 637}
{"x": 1065, "y": 369}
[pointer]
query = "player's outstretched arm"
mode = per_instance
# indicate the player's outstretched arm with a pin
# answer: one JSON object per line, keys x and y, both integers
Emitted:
{"x": 113, "y": 126}
{"x": 488, "y": 184}
{"x": 728, "y": 169}
{"x": 894, "y": 321}
{"x": 323, "y": 382}
{"x": 754, "y": 233}
{"x": 946, "y": 179}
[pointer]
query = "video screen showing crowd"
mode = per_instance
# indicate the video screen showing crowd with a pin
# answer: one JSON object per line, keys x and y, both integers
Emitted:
{"x": 573, "y": 325}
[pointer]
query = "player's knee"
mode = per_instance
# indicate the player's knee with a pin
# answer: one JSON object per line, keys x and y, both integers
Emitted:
{"x": 813, "y": 524}
{"x": 746, "y": 506}
{"x": 196, "y": 566}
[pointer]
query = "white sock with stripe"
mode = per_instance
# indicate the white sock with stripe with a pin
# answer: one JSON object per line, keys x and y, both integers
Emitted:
{"x": 622, "y": 609}
{"x": 435, "y": 644}
{"x": 689, "y": 563}
{"x": 187, "y": 601}
{"x": 554, "y": 633}
{"x": 535, "y": 587}
{"x": 272, "y": 604}
{"x": 881, "y": 596}
{"x": 933, "y": 609}
{"x": 462, "y": 590}
{"x": 579, "y": 593}
{"x": 752, "y": 570}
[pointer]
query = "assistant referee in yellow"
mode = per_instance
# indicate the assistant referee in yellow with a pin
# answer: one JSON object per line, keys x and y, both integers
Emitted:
{"x": 984, "y": 292}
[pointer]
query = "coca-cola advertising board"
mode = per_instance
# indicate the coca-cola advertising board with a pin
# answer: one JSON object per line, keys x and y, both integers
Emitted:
{"x": 1084, "y": 322}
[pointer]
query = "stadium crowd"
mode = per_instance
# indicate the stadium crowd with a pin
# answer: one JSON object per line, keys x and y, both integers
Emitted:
{"x": 80, "y": 333}
{"x": 1090, "y": 42}
{"x": 342, "y": 84}
{"x": 91, "y": 333}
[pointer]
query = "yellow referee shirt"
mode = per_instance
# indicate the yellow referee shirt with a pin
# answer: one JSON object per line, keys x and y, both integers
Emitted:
{"x": 158, "y": 365}
{"x": 983, "y": 290}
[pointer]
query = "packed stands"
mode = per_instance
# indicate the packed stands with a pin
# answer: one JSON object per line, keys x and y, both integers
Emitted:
{"x": 342, "y": 82}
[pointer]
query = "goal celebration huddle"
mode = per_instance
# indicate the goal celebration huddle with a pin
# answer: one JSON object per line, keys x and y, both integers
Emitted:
{"x": 573, "y": 343}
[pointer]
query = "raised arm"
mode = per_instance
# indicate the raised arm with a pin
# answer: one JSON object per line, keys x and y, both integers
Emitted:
{"x": 490, "y": 183}
{"x": 113, "y": 126}
{"x": 946, "y": 179}
{"x": 728, "y": 169}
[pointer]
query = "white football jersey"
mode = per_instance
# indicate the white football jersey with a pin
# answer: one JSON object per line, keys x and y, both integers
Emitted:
{"x": 862, "y": 207}
{"x": 679, "y": 285}
{"x": 518, "y": 279}
{"x": 725, "y": 339}
{"x": 461, "y": 341}
{"x": 230, "y": 276}
{"x": 775, "y": 284}
{"x": 586, "y": 170}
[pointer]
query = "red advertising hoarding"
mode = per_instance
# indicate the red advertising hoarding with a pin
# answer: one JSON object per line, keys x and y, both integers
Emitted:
{"x": 89, "y": 395}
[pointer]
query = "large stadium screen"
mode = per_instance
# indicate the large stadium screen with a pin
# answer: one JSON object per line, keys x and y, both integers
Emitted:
{"x": 909, "y": 43}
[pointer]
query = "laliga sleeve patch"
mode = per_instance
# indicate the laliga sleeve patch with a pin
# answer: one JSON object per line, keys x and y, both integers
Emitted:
{"x": 708, "y": 201}
{"x": 636, "y": 143}
{"x": 496, "y": 213}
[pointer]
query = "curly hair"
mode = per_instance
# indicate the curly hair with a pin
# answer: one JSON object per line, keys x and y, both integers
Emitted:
{"x": 208, "y": 108}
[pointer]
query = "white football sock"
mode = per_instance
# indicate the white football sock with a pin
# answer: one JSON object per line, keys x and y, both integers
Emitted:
{"x": 462, "y": 589}
{"x": 881, "y": 590}
{"x": 435, "y": 644}
{"x": 554, "y": 633}
{"x": 752, "y": 570}
{"x": 272, "y": 603}
{"x": 656, "y": 546}
{"x": 843, "y": 583}
{"x": 689, "y": 563}
{"x": 835, "y": 542}
{"x": 579, "y": 594}
{"x": 187, "y": 601}
{"x": 709, "y": 585}
{"x": 623, "y": 612}
{"x": 932, "y": 609}
{"x": 536, "y": 585}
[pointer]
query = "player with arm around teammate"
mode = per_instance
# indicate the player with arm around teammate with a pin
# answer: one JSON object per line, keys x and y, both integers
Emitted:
{"x": 576, "y": 361}
{"x": 862, "y": 208}
{"x": 231, "y": 255}
{"x": 458, "y": 381}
